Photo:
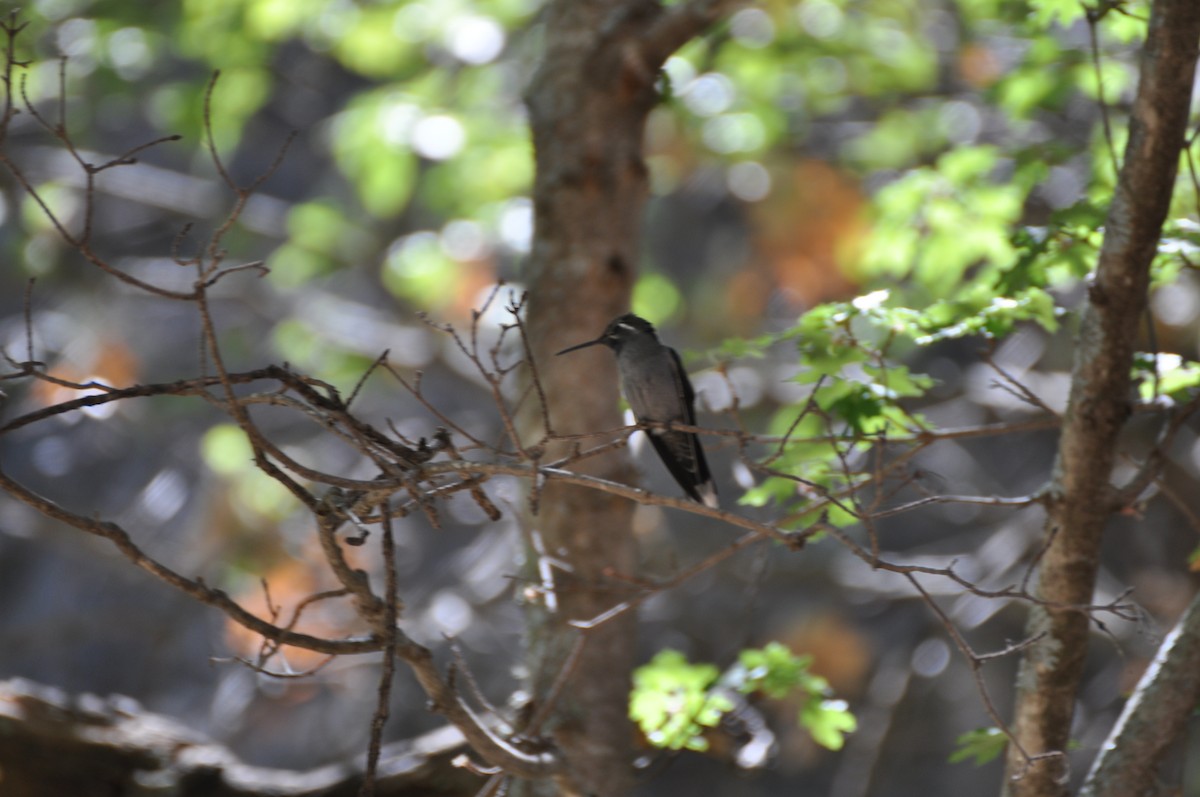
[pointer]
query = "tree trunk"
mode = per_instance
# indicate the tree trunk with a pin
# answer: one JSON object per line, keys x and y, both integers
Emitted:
{"x": 588, "y": 105}
{"x": 588, "y": 197}
{"x": 1081, "y": 498}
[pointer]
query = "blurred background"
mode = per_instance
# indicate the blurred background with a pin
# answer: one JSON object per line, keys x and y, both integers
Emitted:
{"x": 804, "y": 152}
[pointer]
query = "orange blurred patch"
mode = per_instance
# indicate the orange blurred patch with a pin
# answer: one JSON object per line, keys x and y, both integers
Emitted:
{"x": 977, "y": 66}
{"x": 474, "y": 278}
{"x": 807, "y": 231}
{"x": 841, "y": 653}
{"x": 746, "y": 296}
{"x": 107, "y": 361}
{"x": 291, "y": 583}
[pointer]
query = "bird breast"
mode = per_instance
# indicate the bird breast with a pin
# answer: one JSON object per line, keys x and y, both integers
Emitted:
{"x": 651, "y": 386}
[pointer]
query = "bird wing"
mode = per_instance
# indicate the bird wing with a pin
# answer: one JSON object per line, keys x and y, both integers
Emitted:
{"x": 684, "y": 458}
{"x": 681, "y": 451}
{"x": 685, "y": 387}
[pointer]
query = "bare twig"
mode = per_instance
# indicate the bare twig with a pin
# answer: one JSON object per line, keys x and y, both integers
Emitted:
{"x": 387, "y": 629}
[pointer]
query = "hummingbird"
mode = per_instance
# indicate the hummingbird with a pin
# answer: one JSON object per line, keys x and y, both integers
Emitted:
{"x": 658, "y": 391}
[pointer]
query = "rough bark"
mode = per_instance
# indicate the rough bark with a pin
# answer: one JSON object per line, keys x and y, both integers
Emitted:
{"x": 1156, "y": 714}
{"x": 1080, "y": 498}
{"x": 588, "y": 104}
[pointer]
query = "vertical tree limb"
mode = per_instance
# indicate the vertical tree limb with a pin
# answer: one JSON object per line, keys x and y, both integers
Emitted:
{"x": 588, "y": 195}
{"x": 1158, "y": 710}
{"x": 588, "y": 104}
{"x": 1080, "y": 496}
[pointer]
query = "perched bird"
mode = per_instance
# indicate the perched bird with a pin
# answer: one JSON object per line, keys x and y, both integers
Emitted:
{"x": 658, "y": 390}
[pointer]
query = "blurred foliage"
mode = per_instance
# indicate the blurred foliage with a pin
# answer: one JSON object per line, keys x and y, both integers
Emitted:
{"x": 861, "y": 388}
{"x": 778, "y": 673}
{"x": 950, "y": 109}
{"x": 674, "y": 700}
{"x": 1167, "y": 375}
{"x": 982, "y": 745}
{"x": 227, "y": 451}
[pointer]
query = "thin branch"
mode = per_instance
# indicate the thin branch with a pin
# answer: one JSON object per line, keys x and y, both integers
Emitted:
{"x": 1094, "y": 15}
{"x": 977, "y": 500}
{"x": 517, "y": 309}
{"x": 652, "y": 588}
{"x": 196, "y": 588}
{"x": 387, "y": 630}
{"x": 976, "y": 661}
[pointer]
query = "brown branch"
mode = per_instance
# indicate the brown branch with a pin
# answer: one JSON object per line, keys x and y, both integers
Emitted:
{"x": 977, "y": 500}
{"x": 445, "y": 699}
{"x": 195, "y": 588}
{"x": 1094, "y": 15}
{"x": 650, "y": 589}
{"x": 269, "y": 648}
{"x": 976, "y": 662}
{"x": 387, "y": 629}
{"x": 80, "y": 243}
{"x": 184, "y": 387}
{"x": 516, "y": 308}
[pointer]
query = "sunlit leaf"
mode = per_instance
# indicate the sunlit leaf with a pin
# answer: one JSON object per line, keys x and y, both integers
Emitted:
{"x": 672, "y": 702}
{"x": 828, "y": 721}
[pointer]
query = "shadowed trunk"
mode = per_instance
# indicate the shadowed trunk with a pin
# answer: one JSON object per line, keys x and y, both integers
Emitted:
{"x": 588, "y": 105}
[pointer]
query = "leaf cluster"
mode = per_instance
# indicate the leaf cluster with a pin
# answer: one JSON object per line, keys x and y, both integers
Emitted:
{"x": 676, "y": 702}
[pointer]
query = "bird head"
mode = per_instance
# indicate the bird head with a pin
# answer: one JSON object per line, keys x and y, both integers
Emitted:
{"x": 619, "y": 331}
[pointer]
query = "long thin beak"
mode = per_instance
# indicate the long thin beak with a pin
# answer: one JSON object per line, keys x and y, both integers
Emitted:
{"x": 580, "y": 346}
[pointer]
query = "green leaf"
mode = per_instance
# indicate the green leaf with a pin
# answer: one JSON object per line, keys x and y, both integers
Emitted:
{"x": 828, "y": 721}
{"x": 1061, "y": 12}
{"x": 227, "y": 451}
{"x": 672, "y": 701}
{"x": 946, "y": 224}
{"x": 774, "y": 489}
{"x": 1175, "y": 376}
{"x": 981, "y": 744}
{"x": 959, "y": 166}
{"x": 861, "y": 407}
{"x": 898, "y": 381}
{"x": 292, "y": 266}
{"x": 318, "y": 225}
{"x": 743, "y": 348}
{"x": 774, "y": 670}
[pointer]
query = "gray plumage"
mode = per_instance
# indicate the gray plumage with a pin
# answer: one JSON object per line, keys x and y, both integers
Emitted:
{"x": 658, "y": 390}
